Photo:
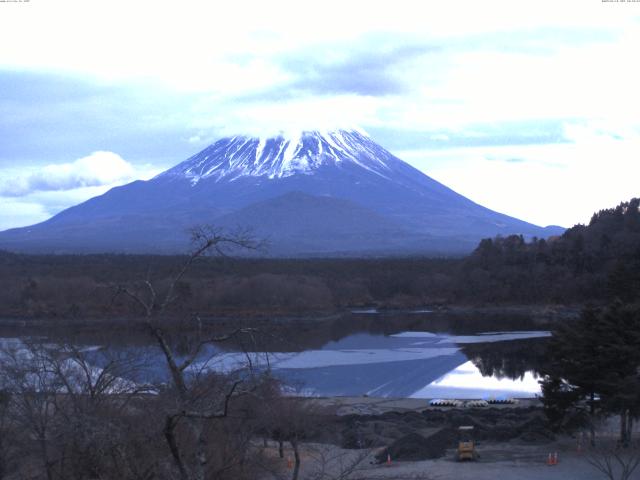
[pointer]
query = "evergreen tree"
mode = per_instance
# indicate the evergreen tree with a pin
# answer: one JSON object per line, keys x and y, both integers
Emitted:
{"x": 595, "y": 363}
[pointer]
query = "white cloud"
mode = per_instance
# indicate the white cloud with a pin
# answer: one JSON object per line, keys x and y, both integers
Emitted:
{"x": 30, "y": 195}
{"x": 310, "y": 113}
{"x": 492, "y": 62}
{"x": 561, "y": 184}
{"x": 156, "y": 36}
{"x": 97, "y": 169}
{"x": 16, "y": 212}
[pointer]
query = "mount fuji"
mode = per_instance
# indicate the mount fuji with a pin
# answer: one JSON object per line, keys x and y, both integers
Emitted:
{"x": 315, "y": 193}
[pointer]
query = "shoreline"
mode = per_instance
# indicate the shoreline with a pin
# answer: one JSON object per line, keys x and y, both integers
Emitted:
{"x": 545, "y": 312}
{"x": 364, "y": 405}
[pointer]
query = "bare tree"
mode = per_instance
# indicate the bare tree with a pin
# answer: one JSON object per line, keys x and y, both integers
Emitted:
{"x": 289, "y": 419}
{"x": 329, "y": 463}
{"x": 74, "y": 418}
{"x": 76, "y": 413}
{"x": 8, "y": 451}
{"x": 33, "y": 391}
{"x": 614, "y": 462}
{"x": 198, "y": 396}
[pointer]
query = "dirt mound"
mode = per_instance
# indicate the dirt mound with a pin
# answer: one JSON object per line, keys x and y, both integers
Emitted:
{"x": 376, "y": 433}
{"x": 416, "y": 447}
{"x": 536, "y": 430}
{"x": 490, "y": 424}
{"x": 493, "y": 424}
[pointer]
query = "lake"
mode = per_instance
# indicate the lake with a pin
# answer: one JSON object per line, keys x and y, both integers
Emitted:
{"x": 414, "y": 364}
{"x": 411, "y": 354}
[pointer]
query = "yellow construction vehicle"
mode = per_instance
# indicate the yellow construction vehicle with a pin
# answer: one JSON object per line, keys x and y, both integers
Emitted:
{"x": 466, "y": 444}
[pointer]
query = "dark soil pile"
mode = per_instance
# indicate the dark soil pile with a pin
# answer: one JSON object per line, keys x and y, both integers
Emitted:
{"x": 416, "y": 447}
{"x": 410, "y": 435}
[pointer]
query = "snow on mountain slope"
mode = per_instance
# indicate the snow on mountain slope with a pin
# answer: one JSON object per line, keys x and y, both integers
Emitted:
{"x": 282, "y": 156}
{"x": 311, "y": 193}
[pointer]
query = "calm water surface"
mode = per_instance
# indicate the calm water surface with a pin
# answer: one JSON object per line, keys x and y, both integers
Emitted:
{"x": 414, "y": 364}
{"x": 417, "y": 354}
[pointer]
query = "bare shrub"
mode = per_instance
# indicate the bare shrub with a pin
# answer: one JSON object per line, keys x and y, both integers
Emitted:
{"x": 614, "y": 461}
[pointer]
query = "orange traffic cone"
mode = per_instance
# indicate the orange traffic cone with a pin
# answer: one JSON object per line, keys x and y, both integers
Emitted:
{"x": 289, "y": 463}
{"x": 550, "y": 460}
{"x": 555, "y": 458}
{"x": 388, "y": 459}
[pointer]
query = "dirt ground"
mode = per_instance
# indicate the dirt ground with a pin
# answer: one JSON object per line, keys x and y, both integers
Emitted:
{"x": 505, "y": 452}
{"x": 498, "y": 461}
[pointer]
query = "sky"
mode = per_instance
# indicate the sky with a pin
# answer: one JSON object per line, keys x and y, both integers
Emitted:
{"x": 530, "y": 108}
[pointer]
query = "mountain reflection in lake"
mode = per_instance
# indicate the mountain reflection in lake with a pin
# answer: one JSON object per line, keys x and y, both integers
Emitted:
{"x": 422, "y": 356}
{"x": 409, "y": 364}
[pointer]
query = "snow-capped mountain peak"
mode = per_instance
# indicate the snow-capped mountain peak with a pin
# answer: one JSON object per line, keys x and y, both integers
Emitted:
{"x": 283, "y": 156}
{"x": 312, "y": 193}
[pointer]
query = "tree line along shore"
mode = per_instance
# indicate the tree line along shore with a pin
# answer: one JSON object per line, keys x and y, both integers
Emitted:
{"x": 593, "y": 263}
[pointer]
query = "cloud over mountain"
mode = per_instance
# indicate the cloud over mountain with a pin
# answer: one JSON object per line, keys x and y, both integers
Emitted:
{"x": 31, "y": 194}
{"x": 98, "y": 169}
{"x": 464, "y": 79}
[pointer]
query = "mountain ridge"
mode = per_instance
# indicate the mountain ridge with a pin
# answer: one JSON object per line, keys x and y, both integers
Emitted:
{"x": 279, "y": 156}
{"x": 239, "y": 173}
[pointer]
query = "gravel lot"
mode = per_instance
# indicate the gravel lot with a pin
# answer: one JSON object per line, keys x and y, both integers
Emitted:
{"x": 500, "y": 461}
